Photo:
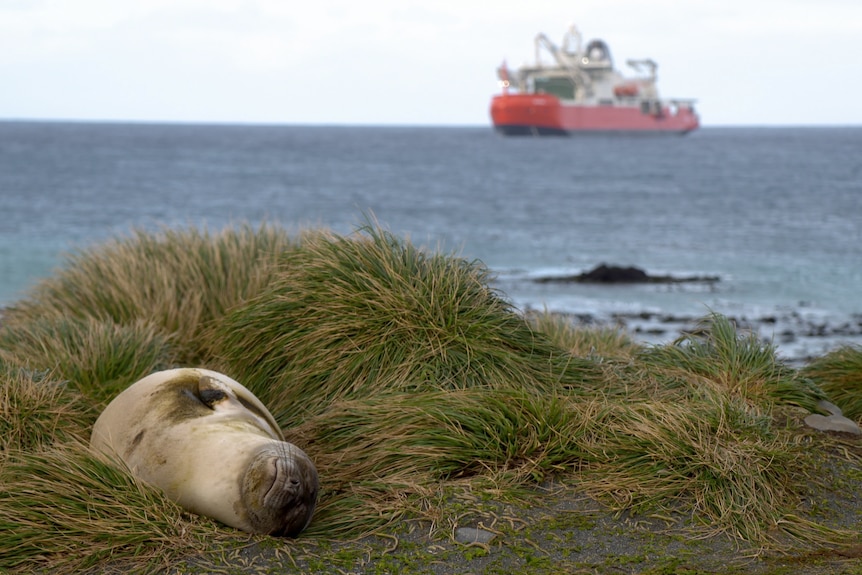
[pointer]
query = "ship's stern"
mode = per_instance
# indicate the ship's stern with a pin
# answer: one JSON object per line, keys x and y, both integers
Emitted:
{"x": 526, "y": 114}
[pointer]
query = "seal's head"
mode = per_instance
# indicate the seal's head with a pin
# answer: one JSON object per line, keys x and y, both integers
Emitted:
{"x": 213, "y": 447}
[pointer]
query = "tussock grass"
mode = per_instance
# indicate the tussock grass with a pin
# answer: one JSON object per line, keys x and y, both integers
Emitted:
{"x": 740, "y": 362}
{"x": 37, "y": 410}
{"x": 720, "y": 460}
{"x": 352, "y": 317}
{"x": 839, "y": 374}
{"x": 403, "y": 445}
{"x": 445, "y": 434}
{"x": 401, "y": 372}
{"x": 99, "y": 357}
{"x": 179, "y": 280}
{"x": 68, "y": 510}
{"x": 598, "y": 342}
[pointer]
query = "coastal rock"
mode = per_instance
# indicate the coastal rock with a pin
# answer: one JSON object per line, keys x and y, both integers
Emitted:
{"x": 835, "y": 423}
{"x": 614, "y": 274}
{"x": 830, "y": 407}
{"x": 605, "y": 274}
{"x": 469, "y": 535}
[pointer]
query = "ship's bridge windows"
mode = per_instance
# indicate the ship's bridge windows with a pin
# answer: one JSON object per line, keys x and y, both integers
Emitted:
{"x": 562, "y": 88}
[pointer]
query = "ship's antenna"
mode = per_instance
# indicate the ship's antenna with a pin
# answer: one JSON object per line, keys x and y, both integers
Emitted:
{"x": 573, "y": 36}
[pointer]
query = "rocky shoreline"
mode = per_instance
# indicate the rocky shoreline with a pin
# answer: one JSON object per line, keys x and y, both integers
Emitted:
{"x": 798, "y": 338}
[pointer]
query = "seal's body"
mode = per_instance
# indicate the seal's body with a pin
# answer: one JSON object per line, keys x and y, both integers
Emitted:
{"x": 213, "y": 447}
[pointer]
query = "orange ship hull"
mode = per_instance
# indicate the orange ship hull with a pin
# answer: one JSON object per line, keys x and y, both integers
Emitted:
{"x": 545, "y": 114}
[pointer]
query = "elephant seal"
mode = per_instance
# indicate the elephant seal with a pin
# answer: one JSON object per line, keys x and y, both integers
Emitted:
{"x": 213, "y": 447}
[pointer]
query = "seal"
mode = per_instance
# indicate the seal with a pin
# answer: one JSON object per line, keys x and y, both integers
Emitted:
{"x": 212, "y": 447}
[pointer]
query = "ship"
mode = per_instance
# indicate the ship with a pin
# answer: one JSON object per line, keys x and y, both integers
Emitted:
{"x": 581, "y": 92}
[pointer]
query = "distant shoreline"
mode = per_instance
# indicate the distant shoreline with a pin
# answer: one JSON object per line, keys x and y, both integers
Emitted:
{"x": 797, "y": 339}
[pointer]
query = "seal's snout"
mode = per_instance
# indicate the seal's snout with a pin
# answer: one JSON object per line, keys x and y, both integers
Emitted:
{"x": 290, "y": 476}
{"x": 286, "y": 485}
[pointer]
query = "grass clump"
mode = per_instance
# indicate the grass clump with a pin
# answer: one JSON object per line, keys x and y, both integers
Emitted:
{"x": 350, "y": 317}
{"x": 179, "y": 280}
{"x": 742, "y": 363}
{"x": 67, "y": 510}
{"x": 403, "y": 374}
{"x": 405, "y": 439}
{"x": 598, "y": 342}
{"x": 37, "y": 410}
{"x": 719, "y": 459}
{"x": 99, "y": 357}
{"x": 839, "y": 374}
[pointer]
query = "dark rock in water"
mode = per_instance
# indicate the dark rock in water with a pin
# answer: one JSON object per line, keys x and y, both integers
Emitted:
{"x": 614, "y": 274}
{"x": 606, "y": 274}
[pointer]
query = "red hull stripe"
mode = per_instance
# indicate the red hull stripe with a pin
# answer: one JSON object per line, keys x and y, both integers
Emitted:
{"x": 547, "y": 113}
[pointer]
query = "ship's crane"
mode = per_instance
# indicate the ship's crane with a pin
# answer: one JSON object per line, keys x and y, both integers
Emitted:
{"x": 568, "y": 59}
{"x": 560, "y": 56}
{"x": 648, "y": 63}
{"x": 649, "y": 82}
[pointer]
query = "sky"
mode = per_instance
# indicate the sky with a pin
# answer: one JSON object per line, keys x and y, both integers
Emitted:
{"x": 401, "y": 62}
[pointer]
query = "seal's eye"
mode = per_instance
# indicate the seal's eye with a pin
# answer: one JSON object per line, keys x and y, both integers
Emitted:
{"x": 210, "y": 391}
{"x": 212, "y": 396}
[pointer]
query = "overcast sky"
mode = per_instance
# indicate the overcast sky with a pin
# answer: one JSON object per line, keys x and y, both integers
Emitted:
{"x": 747, "y": 62}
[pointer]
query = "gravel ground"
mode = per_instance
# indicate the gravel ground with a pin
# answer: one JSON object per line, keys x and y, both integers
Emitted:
{"x": 561, "y": 532}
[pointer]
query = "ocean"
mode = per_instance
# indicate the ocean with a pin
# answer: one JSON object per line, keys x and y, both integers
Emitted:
{"x": 774, "y": 213}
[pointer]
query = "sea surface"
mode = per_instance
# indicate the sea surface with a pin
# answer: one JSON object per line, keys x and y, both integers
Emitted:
{"x": 774, "y": 213}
